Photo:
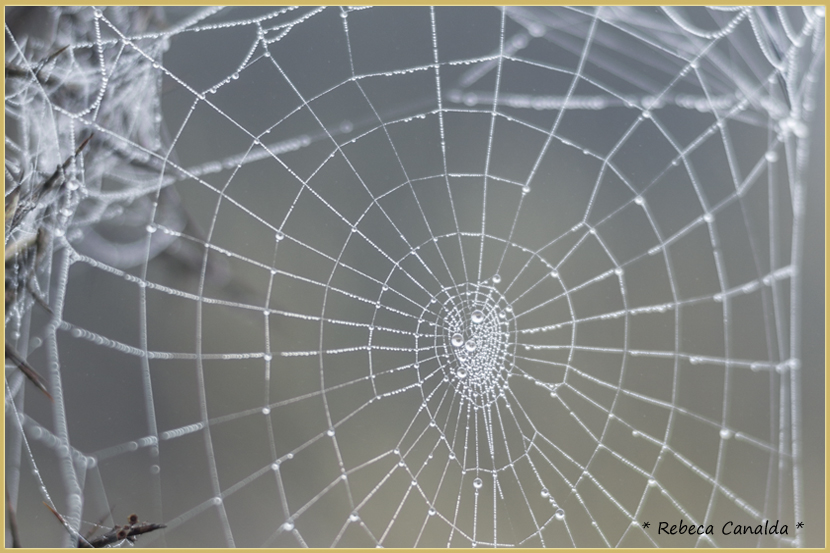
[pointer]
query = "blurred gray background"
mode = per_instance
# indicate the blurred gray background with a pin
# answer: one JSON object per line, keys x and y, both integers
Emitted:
{"x": 303, "y": 93}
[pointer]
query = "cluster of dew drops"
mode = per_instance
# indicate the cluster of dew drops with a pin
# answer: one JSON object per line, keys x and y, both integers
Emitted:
{"x": 457, "y": 340}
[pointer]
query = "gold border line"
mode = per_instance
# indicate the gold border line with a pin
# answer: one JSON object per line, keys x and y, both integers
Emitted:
{"x": 471, "y": 3}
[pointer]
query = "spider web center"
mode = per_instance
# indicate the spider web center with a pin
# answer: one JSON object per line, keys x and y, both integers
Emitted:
{"x": 477, "y": 341}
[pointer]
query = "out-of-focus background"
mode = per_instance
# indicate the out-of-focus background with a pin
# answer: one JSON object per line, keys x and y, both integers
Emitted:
{"x": 418, "y": 277}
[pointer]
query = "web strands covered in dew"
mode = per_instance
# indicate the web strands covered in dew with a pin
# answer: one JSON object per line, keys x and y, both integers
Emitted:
{"x": 408, "y": 276}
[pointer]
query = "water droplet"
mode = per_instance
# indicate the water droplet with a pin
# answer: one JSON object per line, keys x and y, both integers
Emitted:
{"x": 288, "y": 526}
{"x": 560, "y": 514}
{"x": 639, "y": 200}
{"x": 235, "y": 76}
{"x": 470, "y": 346}
{"x": 618, "y": 271}
{"x": 545, "y": 492}
{"x": 431, "y": 511}
{"x": 217, "y": 500}
{"x": 496, "y": 279}
{"x": 477, "y": 483}
{"x": 635, "y": 433}
{"x": 266, "y": 411}
{"x": 330, "y": 432}
{"x": 461, "y": 373}
{"x": 477, "y": 316}
{"x": 554, "y": 273}
{"x": 536, "y": 30}
{"x": 354, "y": 517}
{"x": 652, "y": 482}
{"x": 346, "y": 127}
{"x": 457, "y": 340}
{"x": 725, "y": 433}
{"x": 155, "y": 469}
{"x": 280, "y": 235}
{"x": 267, "y": 357}
{"x": 771, "y": 156}
{"x": 708, "y": 217}
{"x": 525, "y": 189}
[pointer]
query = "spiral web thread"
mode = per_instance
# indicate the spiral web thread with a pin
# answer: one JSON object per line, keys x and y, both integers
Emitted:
{"x": 414, "y": 276}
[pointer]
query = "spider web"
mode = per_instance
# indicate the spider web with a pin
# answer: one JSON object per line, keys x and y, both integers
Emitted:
{"x": 411, "y": 276}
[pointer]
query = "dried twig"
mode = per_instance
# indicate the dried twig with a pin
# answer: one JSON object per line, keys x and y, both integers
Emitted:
{"x": 31, "y": 374}
{"x": 12, "y": 520}
{"x": 81, "y": 539}
{"x": 25, "y": 205}
{"x": 24, "y": 73}
{"x": 129, "y": 531}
